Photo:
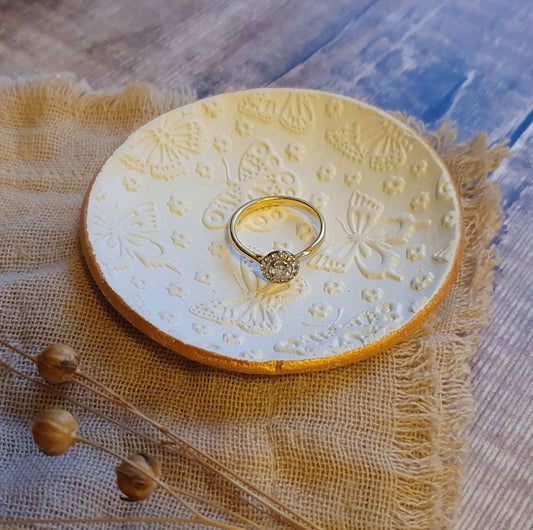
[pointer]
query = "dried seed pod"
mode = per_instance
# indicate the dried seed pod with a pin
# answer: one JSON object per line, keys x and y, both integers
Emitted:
{"x": 54, "y": 431}
{"x": 58, "y": 363}
{"x": 134, "y": 483}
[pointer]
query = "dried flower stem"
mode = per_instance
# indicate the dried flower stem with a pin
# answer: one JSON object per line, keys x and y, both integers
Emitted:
{"x": 125, "y": 427}
{"x": 198, "y": 517}
{"x": 281, "y": 510}
{"x": 17, "y": 350}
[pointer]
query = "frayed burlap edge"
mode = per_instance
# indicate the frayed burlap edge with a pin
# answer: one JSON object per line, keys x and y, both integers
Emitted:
{"x": 469, "y": 164}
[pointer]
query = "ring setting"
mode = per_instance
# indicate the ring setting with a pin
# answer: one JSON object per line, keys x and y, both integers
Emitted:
{"x": 278, "y": 266}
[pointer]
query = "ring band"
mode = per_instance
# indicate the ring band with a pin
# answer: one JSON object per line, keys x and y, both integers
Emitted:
{"x": 278, "y": 266}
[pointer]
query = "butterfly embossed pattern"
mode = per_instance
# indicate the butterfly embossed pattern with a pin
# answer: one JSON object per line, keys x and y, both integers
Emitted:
{"x": 256, "y": 309}
{"x": 294, "y": 111}
{"x": 261, "y": 173}
{"x": 161, "y": 150}
{"x": 384, "y": 145}
{"x": 368, "y": 240}
{"x": 155, "y": 230}
{"x": 127, "y": 237}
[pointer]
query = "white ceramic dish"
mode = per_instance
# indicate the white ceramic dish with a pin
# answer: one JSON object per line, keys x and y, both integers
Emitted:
{"x": 154, "y": 230}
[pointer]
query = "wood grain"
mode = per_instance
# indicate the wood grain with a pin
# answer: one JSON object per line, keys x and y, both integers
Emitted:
{"x": 468, "y": 62}
{"x": 501, "y": 430}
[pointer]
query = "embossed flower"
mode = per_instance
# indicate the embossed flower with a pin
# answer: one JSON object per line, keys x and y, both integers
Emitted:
{"x": 200, "y": 328}
{"x": 444, "y": 189}
{"x": 421, "y": 281}
{"x": 177, "y": 206}
{"x": 334, "y": 287}
{"x": 334, "y": 108}
{"x": 320, "y": 310}
{"x": 449, "y": 219}
{"x": 295, "y": 152}
{"x": 222, "y": 143}
{"x": 205, "y": 277}
{"x": 139, "y": 283}
{"x": 216, "y": 249}
{"x": 243, "y": 127}
{"x": 371, "y": 295}
{"x": 281, "y": 245}
{"x": 179, "y": 239}
{"x": 417, "y": 305}
{"x": 130, "y": 183}
{"x": 177, "y": 290}
{"x": 204, "y": 170}
{"x": 138, "y": 302}
{"x": 327, "y": 172}
{"x": 319, "y": 200}
{"x": 420, "y": 202}
{"x": 393, "y": 185}
{"x": 232, "y": 338}
{"x": 99, "y": 194}
{"x": 169, "y": 317}
{"x": 415, "y": 253}
{"x": 419, "y": 168}
{"x": 380, "y": 317}
{"x": 352, "y": 179}
{"x": 213, "y": 107}
{"x": 251, "y": 355}
{"x": 304, "y": 231}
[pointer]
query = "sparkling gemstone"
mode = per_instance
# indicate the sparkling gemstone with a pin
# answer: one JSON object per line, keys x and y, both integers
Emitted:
{"x": 279, "y": 266}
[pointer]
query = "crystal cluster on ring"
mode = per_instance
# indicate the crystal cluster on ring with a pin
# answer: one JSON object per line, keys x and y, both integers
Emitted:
{"x": 279, "y": 266}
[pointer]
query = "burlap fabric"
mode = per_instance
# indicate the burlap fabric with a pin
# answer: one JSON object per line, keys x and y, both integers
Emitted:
{"x": 378, "y": 444}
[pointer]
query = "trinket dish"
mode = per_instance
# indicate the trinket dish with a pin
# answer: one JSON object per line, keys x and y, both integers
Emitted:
{"x": 154, "y": 230}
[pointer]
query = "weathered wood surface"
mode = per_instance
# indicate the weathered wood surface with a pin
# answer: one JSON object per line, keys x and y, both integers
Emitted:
{"x": 468, "y": 62}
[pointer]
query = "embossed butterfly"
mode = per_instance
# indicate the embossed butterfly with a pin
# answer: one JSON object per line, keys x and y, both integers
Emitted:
{"x": 256, "y": 309}
{"x": 131, "y": 235}
{"x": 161, "y": 148}
{"x": 261, "y": 173}
{"x": 368, "y": 240}
{"x": 378, "y": 140}
{"x": 295, "y": 111}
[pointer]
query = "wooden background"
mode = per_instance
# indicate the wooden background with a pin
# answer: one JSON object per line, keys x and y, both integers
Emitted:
{"x": 470, "y": 62}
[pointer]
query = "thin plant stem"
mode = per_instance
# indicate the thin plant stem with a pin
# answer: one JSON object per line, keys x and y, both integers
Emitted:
{"x": 17, "y": 350}
{"x": 127, "y": 428}
{"x": 282, "y": 511}
{"x": 84, "y": 380}
{"x": 198, "y": 517}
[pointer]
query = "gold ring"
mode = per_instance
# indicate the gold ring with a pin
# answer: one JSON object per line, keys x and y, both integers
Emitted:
{"x": 278, "y": 266}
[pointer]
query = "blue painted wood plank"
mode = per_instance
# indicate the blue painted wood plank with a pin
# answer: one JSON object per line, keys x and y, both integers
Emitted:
{"x": 436, "y": 59}
{"x": 471, "y": 62}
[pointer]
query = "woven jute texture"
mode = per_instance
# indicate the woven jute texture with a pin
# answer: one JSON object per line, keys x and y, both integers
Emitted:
{"x": 378, "y": 444}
